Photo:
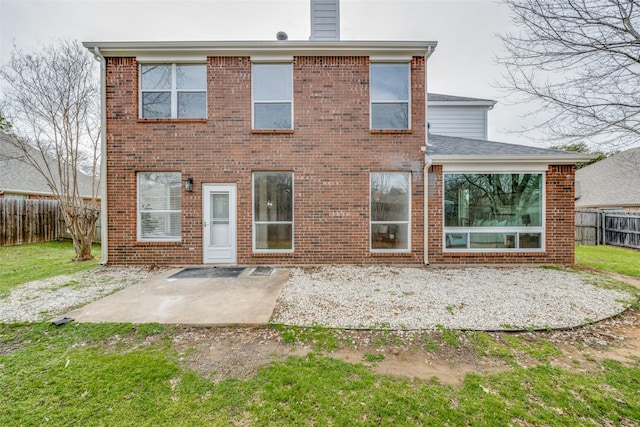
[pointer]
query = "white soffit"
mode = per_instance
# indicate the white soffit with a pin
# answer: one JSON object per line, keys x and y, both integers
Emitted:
{"x": 512, "y": 167}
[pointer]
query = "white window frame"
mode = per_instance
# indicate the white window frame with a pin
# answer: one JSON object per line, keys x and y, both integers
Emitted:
{"x": 173, "y": 90}
{"x": 254, "y": 102}
{"x": 139, "y": 212}
{"x": 516, "y": 230}
{"x": 409, "y": 214}
{"x": 253, "y": 216}
{"x": 393, "y": 101}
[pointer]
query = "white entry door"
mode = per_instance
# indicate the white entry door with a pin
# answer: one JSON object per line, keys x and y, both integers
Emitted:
{"x": 219, "y": 223}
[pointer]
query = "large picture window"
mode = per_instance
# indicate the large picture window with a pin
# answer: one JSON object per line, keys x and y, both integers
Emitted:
{"x": 493, "y": 211}
{"x": 272, "y": 96}
{"x": 173, "y": 91}
{"x": 273, "y": 211}
{"x": 390, "y": 211}
{"x": 159, "y": 206}
{"x": 389, "y": 93}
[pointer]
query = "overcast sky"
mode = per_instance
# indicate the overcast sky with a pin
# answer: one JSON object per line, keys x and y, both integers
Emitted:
{"x": 462, "y": 64}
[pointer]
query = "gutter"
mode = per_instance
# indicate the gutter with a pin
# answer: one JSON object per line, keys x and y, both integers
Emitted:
{"x": 568, "y": 159}
{"x": 104, "y": 244}
{"x": 427, "y": 162}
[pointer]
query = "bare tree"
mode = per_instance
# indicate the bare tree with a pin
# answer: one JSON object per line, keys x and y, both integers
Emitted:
{"x": 581, "y": 60}
{"x": 52, "y": 101}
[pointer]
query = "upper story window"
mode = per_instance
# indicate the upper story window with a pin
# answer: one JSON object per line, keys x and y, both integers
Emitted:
{"x": 389, "y": 93}
{"x": 173, "y": 91}
{"x": 272, "y": 96}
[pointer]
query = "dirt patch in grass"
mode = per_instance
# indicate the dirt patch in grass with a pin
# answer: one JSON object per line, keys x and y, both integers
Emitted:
{"x": 448, "y": 356}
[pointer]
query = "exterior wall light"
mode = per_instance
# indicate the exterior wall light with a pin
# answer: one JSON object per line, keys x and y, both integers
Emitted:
{"x": 188, "y": 185}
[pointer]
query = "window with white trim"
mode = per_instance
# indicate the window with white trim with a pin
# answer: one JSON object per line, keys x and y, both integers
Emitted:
{"x": 159, "y": 206}
{"x": 273, "y": 211}
{"x": 272, "y": 86}
{"x": 493, "y": 212}
{"x": 390, "y": 211}
{"x": 389, "y": 86}
{"x": 173, "y": 91}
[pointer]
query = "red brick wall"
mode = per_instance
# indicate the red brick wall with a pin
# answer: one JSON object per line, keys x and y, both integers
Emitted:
{"x": 559, "y": 231}
{"x": 331, "y": 153}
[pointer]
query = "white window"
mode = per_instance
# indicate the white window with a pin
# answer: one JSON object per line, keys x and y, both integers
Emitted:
{"x": 173, "y": 91}
{"x": 390, "y": 211}
{"x": 493, "y": 212}
{"x": 390, "y": 96}
{"x": 159, "y": 206}
{"x": 273, "y": 211}
{"x": 272, "y": 96}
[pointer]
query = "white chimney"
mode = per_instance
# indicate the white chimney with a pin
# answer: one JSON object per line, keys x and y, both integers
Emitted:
{"x": 325, "y": 20}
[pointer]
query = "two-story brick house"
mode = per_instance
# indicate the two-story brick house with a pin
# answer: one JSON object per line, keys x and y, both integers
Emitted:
{"x": 311, "y": 152}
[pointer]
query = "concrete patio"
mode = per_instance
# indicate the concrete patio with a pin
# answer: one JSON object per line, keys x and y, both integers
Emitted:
{"x": 242, "y": 300}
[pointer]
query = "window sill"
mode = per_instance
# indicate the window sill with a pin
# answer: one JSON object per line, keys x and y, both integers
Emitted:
{"x": 272, "y": 131}
{"x": 169, "y": 120}
{"x": 391, "y": 131}
{"x": 272, "y": 254}
{"x": 156, "y": 243}
{"x": 392, "y": 254}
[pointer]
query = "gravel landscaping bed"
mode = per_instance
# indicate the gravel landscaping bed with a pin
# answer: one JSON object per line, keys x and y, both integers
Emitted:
{"x": 479, "y": 298}
{"x": 43, "y": 299}
{"x": 475, "y": 298}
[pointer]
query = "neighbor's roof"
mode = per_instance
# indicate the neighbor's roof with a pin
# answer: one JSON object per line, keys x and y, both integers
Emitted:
{"x": 450, "y": 149}
{"x": 451, "y": 100}
{"x": 19, "y": 177}
{"x": 613, "y": 182}
{"x": 199, "y": 50}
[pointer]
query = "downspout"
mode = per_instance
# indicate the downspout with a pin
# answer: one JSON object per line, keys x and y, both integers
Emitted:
{"x": 427, "y": 162}
{"x": 103, "y": 158}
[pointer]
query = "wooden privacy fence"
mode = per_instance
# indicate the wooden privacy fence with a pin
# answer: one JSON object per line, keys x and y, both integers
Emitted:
{"x": 29, "y": 221}
{"x": 598, "y": 227}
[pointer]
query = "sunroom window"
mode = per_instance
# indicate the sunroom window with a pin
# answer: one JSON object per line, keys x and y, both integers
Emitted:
{"x": 173, "y": 91}
{"x": 273, "y": 211}
{"x": 493, "y": 212}
{"x": 390, "y": 211}
{"x": 159, "y": 206}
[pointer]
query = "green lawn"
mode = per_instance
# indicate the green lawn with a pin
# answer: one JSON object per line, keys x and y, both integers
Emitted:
{"x": 130, "y": 375}
{"x": 117, "y": 374}
{"x": 609, "y": 258}
{"x": 21, "y": 264}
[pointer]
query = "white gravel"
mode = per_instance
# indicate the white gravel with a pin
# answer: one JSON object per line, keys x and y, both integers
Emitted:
{"x": 44, "y": 299}
{"x": 475, "y": 298}
{"x": 479, "y": 298}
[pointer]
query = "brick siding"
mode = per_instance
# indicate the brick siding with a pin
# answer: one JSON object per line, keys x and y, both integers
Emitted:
{"x": 331, "y": 153}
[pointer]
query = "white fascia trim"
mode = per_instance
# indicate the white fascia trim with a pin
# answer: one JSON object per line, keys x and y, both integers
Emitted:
{"x": 512, "y": 160}
{"x": 495, "y": 168}
{"x": 156, "y": 49}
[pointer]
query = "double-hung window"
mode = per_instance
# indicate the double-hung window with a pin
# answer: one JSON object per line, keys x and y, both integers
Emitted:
{"x": 390, "y": 211}
{"x": 272, "y": 96}
{"x": 159, "y": 206}
{"x": 493, "y": 212}
{"x": 173, "y": 91}
{"x": 390, "y": 96}
{"x": 273, "y": 211}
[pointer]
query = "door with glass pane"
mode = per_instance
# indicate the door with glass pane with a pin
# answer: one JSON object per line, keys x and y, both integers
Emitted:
{"x": 219, "y": 224}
